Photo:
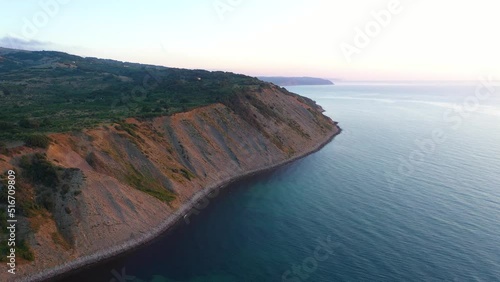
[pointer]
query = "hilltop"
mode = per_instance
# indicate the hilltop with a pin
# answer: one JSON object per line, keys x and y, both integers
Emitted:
{"x": 46, "y": 91}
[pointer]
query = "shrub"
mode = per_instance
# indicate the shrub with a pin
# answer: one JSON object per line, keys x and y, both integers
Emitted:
{"x": 46, "y": 122}
{"x": 6, "y": 125}
{"x": 39, "y": 170}
{"x": 24, "y": 251}
{"x": 37, "y": 140}
{"x": 29, "y": 123}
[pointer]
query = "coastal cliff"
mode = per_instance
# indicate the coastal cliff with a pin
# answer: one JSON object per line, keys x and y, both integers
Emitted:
{"x": 118, "y": 185}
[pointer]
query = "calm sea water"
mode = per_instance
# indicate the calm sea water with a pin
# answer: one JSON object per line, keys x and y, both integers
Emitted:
{"x": 410, "y": 191}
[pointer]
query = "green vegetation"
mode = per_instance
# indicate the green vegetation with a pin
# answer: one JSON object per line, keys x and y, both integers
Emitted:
{"x": 148, "y": 185}
{"x": 37, "y": 141}
{"x": 187, "y": 174}
{"x": 24, "y": 251}
{"x": 22, "y": 248}
{"x": 24, "y": 197}
{"x": 129, "y": 128}
{"x": 41, "y": 172}
{"x": 44, "y": 92}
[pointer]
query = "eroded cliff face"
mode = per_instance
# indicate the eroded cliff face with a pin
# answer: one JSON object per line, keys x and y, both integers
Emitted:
{"x": 117, "y": 182}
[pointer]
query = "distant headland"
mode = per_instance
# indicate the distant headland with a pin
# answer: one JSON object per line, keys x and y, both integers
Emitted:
{"x": 292, "y": 81}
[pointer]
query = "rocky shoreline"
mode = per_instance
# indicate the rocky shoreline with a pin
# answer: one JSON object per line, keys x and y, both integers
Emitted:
{"x": 63, "y": 270}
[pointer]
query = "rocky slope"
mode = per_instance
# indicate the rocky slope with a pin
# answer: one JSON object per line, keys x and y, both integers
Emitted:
{"x": 117, "y": 185}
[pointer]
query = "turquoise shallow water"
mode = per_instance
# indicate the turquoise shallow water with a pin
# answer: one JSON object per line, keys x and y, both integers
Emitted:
{"x": 390, "y": 202}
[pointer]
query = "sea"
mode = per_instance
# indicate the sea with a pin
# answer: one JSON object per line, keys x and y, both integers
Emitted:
{"x": 409, "y": 191}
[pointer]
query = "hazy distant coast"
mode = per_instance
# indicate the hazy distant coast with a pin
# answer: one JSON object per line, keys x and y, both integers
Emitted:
{"x": 295, "y": 81}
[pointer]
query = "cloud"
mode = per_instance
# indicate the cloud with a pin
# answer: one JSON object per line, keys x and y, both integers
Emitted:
{"x": 18, "y": 43}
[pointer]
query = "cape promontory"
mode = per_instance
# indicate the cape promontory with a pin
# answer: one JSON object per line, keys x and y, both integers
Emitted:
{"x": 109, "y": 154}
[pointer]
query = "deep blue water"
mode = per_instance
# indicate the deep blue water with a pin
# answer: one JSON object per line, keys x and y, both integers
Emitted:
{"x": 390, "y": 202}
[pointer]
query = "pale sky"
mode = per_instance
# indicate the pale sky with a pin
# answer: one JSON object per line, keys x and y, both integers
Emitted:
{"x": 422, "y": 39}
